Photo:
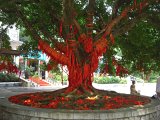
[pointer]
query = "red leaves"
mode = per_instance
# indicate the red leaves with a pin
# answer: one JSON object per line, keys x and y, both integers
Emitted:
{"x": 61, "y": 102}
{"x": 80, "y": 101}
{"x": 53, "y": 104}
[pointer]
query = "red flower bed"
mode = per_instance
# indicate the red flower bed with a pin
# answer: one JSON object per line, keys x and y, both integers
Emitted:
{"x": 55, "y": 101}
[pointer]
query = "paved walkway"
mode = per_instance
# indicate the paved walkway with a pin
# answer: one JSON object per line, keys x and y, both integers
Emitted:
{"x": 147, "y": 89}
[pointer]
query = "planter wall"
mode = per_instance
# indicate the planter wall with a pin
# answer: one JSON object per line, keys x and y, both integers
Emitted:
{"x": 10, "y": 111}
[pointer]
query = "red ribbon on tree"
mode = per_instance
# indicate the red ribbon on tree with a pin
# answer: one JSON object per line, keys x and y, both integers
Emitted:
{"x": 88, "y": 45}
{"x": 61, "y": 28}
{"x": 8, "y": 66}
{"x": 112, "y": 38}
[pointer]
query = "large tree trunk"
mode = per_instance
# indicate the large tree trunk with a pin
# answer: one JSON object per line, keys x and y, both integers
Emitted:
{"x": 147, "y": 76}
{"x": 81, "y": 63}
{"x": 80, "y": 78}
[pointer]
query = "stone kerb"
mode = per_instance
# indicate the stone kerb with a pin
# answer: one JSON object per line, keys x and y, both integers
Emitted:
{"x": 10, "y": 111}
{"x": 10, "y": 84}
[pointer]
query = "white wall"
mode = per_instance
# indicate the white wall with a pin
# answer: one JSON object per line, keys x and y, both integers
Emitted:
{"x": 13, "y": 33}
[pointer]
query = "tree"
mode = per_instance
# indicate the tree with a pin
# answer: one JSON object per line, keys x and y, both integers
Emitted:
{"x": 6, "y": 60}
{"x": 76, "y": 33}
{"x": 146, "y": 45}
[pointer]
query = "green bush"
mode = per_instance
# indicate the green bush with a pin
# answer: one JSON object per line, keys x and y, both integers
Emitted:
{"x": 153, "y": 78}
{"x": 109, "y": 80}
{"x": 4, "y": 77}
{"x": 58, "y": 77}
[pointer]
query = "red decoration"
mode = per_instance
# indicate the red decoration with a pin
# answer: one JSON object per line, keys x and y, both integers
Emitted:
{"x": 105, "y": 34}
{"x": 135, "y": 3}
{"x": 82, "y": 38}
{"x": 87, "y": 42}
{"x": 8, "y": 66}
{"x": 140, "y": 7}
{"x": 61, "y": 28}
{"x": 58, "y": 57}
{"x": 105, "y": 69}
{"x": 88, "y": 45}
{"x": 121, "y": 71}
{"x": 124, "y": 13}
{"x": 100, "y": 46}
{"x": 60, "y": 102}
{"x": 87, "y": 71}
{"x": 112, "y": 38}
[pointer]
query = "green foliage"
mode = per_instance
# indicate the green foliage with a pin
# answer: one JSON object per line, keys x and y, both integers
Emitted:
{"x": 153, "y": 77}
{"x": 140, "y": 48}
{"x": 4, "y": 39}
{"x": 43, "y": 66}
{"x": 29, "y": 45}
{"x": 30, "y": 71}
{"x": 138, "y": 45}
{"x": 8, "y": 77}
{"x": 35, "y": 74}
{"x": 109, "y": 80}
{"x": 57, "y": 77}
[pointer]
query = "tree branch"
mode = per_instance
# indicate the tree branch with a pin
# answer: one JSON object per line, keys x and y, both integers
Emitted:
{"x": 128, "y": 26}
{"x": 34, "y": 34}
{"x": 154, "y": 20}
{"x": 28, "y": 25}
{"x": 55, "y": 55}
{"x": 117, "y": 5}
{"x": 69, "y": 14}
{"x": 117, "y": 19}
{"x": 3, "y": 30}
{"x": 89, "y": 20}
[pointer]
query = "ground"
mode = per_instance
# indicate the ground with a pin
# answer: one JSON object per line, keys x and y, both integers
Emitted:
{"x": 147, "y": 89}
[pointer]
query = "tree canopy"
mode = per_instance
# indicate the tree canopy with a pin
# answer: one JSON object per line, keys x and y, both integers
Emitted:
{"x": 134, "y": 25}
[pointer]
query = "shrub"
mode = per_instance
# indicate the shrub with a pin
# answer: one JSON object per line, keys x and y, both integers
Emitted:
{"x": 58, "y": 77}
{"x": 109, "y": 80}
{"x": 4, "y": 77}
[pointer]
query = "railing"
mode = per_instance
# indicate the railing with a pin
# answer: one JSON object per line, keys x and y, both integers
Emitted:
{"x": 28, "y": 83}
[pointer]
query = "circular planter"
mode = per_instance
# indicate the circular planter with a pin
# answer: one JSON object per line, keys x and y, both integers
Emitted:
{"x": 10, "y": 111}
